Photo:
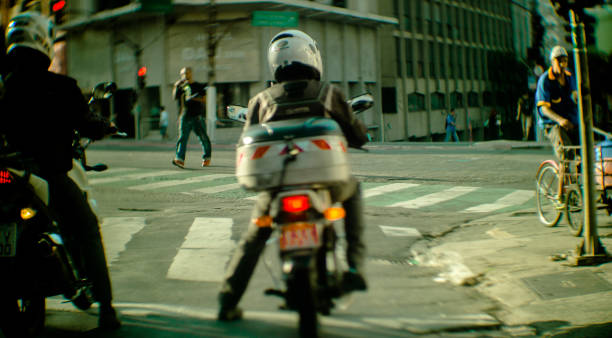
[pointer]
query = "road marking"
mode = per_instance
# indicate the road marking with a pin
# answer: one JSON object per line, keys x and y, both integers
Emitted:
{"x": 117, "y": 232}
{"x": 218, "y": 188}
{"x": 133, "y": 176}
{"x": 170, "y": 183}
{"x": 387, "y": 188}
{"x": 514, "y": 198}
{"x": 399, "y": 231}
{"x": 435, "y": 198}
{"x": 205, "y": 251}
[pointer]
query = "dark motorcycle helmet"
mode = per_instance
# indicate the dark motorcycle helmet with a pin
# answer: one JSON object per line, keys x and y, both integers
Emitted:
{"x": 30, "y": 35}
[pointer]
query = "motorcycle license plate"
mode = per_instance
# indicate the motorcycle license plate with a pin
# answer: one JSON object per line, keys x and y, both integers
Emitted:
{"x": 299, "y": 236}
{"x": 8, "y": 240}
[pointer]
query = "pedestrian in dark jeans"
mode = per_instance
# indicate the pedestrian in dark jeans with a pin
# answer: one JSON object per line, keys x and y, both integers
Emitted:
{"x": 191, "y": 98}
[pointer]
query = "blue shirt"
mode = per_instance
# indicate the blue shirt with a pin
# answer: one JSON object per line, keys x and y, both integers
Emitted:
{"x": 559, "y": 98}
{"x": 450, "y": 123}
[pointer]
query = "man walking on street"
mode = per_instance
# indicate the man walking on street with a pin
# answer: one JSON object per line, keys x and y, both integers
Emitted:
{"x": 524, "y": 114}
{"x": 191, "y": 98}
{"x": 451, "y": 127}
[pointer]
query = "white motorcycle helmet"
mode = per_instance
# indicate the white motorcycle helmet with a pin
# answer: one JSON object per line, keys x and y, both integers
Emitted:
{"x": 294, "y": 48}
{"x": 30, "y": 30}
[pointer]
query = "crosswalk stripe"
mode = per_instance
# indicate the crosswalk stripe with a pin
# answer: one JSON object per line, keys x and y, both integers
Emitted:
{"x": 170, "y": 183}
{"x": 387, "y": 188}
{"x": 399, "y": 231}
{"x": 218, "y": 188}
{"x": 434, "y": 198}
{"x": 133, "y": 176}
{"x": 117, "y": 232}
{"x": 514, "y": 198}
{"x": 205, "y": 251}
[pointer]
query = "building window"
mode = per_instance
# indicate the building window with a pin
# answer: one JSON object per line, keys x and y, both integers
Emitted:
{"x": 437, "y": 18}
{"x": 432, "y": 60}
{"x": 409, "y": 58}
{"x": 449, "y": 22}
{"x": 416, "y": 102}
{"x": 442, "y": 60}
{"x": 456, "y": 100}
{"x": 473, "y": 99}
{"x": 427, "y": 17}
{"x": 419, "y": 16}
{"x": 487, "y": 98}
{"x": 420, "y": 59}
{"x": 459, "y": 57}
{"x": 407, "y": 15}
{"x": 469, "y": 70}
{"x": 389, "y": 100}
{"x": 438, "y": 101}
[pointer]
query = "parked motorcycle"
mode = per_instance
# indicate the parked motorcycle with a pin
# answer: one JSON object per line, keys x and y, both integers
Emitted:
{"x": 33, "y": 258}
{"x": 300, "y": 161}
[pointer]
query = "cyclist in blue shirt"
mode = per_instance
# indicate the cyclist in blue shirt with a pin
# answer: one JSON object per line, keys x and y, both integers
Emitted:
{"x": 556, "y": 98}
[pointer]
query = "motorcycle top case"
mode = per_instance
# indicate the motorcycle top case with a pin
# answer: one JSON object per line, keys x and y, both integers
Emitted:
{"x": 321, "y": 154}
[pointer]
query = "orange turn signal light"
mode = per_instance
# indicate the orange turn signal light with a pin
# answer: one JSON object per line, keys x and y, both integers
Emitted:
{"x": 334, "y": 214}
{"x": 263, "y": 221}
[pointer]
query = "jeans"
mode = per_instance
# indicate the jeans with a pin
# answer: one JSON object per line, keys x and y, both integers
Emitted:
{"x": 253, "y": 242}
{"x": 197, "y": 124}
{"x": 451, "y": 133}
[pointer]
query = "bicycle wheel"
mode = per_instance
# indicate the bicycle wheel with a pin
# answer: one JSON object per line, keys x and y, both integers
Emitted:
{"x": 547, "y": 188}
{"x": 575, "y": 212}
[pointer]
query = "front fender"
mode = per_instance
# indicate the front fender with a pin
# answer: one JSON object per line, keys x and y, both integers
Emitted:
{"x": 553, "y": 163}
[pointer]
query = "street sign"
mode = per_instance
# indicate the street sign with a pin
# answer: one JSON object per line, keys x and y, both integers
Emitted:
{"x": 274, "y": 18}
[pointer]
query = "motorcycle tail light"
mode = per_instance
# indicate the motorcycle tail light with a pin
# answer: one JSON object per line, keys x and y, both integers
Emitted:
{"x": 296, "y": 203}
{"x": 5, "y": 176}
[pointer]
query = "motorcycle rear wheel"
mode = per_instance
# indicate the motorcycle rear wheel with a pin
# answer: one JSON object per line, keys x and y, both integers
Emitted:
{"x": 303, "y": 292}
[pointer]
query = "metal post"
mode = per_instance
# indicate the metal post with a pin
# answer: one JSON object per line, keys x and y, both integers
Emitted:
{"x": 590, "y": 251}
{"x": 211, "y": 91}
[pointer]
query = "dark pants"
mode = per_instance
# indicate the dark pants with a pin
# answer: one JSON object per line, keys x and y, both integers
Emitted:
{"x": 197, "y": 124}
{"x": 253, "y": 242}
{"x": 79, "y": 227}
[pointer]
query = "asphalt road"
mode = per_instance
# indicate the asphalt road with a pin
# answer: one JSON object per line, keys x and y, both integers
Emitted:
{"x": 147, "y": 222}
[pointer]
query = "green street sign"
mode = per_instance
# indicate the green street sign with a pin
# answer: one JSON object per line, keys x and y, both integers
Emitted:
{"x": 277, "y": 19}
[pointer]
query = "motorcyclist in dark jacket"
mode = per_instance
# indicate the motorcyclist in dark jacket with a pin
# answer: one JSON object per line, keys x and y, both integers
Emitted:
{"x": 295, "y": 62}
{"x": 40, "y": 112}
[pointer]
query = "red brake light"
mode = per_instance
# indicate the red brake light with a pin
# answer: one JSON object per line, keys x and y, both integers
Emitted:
{"x": 5, "y": 177}
{"x": 296, "y": 203}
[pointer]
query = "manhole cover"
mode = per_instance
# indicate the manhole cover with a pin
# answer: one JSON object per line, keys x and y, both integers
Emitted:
{"x": 568, "y": 284}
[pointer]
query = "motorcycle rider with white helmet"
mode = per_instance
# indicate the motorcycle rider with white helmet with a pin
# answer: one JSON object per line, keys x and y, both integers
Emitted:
{"x": 40, "y": 112}
{"x": 295, "y": 62}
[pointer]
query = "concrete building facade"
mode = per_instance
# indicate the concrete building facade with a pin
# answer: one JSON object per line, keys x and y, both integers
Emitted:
{"x": 111, "y": 44}
{"x": 442, "y": 50}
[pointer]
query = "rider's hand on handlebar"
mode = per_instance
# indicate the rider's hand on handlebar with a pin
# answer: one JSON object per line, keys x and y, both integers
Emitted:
{"x": 566, "y": 124}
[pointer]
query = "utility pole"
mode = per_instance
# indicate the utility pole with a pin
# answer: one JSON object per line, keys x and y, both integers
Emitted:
{"x": 211, "y": 90}
{"x": 590, "y": 251}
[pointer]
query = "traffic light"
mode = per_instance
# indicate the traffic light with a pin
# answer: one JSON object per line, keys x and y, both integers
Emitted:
{"x": 58, "y": 10}
{"x": 142, "y": 77}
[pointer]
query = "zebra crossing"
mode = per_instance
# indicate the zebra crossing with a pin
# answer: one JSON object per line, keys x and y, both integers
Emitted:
{"x": 205, "y": 250}
{"x": 464, "y": 199}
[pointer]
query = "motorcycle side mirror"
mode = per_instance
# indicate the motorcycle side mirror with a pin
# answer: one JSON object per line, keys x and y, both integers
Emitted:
{"x": 109, "y": 89}
{"x": 97, "y": 167}
{"x": 237, "y": 113}
{"x": 104, "y": 90}
{"x": 361, "y": 103}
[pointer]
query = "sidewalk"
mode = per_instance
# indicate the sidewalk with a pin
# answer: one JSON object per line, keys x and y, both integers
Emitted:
{"x": 521, "y": 264}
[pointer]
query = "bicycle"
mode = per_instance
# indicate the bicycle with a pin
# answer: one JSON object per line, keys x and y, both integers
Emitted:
{"x": 559, "y": 186}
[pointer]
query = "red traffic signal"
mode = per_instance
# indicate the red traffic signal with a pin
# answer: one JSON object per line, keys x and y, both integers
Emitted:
{"x": 58, "y": 5}
{"x": 142, "y": 71}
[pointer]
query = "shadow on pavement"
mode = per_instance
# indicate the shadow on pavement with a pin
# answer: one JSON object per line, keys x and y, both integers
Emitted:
{"x": 69, "y": 324}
